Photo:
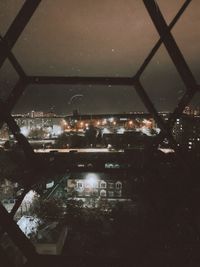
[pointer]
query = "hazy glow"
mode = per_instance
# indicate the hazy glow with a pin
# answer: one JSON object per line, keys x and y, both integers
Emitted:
{"x": 106, "y": 131}
{"x": 111, "y": 119}
{"x": 56, "y": 130}
{"x": 25, "y": 131}
{"x": 121, "y": 130}
{"x": 91, "y": 180}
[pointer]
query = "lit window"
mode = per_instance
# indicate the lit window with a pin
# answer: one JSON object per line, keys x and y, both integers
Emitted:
{"x": 80, "y": 185}
{"x": 111, "y": 185}
{"x": 110, "y": 193}
{"x": 103, "y": 193}
{"x": 103, "y": 184}
{"x": 95, "y": 193}
{"x": 118, "y": 193}
{"x": 118, "y": 185}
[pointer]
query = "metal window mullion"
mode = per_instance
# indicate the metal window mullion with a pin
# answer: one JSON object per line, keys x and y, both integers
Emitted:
{"x": 185, "y": 100}
{"x": 80, "y": 80}
{"x": 150, "y": 107}
{"x": 148, "y": 103}
{"x": 18, "y": 201}
{"x": 12, "y": 99}
{"x": 177, "y": 113}
{"x": 5, "y": 259}
{"x": 159, "y": 42}
{"x": 15, "y": 94}
{"x": 18, "y": 26}
{"x": 28, "y": 150}
{"x": 170, "y": 44}
{"x": 17, "y": 236}
{"x": 14, "y": 62}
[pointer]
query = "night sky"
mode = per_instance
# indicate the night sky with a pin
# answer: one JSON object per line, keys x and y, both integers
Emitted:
{"x": 99, "y": 38}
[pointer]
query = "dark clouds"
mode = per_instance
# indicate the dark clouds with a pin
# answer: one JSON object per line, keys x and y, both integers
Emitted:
{"x": 101, "y": 38}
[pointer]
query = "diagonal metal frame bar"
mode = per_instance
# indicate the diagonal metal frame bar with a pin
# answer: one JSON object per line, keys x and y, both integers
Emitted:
{"x": 5, "y": 259}
{"x": 23, "y": 142}
{"x": 177, "y": 58}
{"x": 12, "y": 99}
{"x": 16, "y": 65}
{"x": 6, "y": 109}
{"x": 19, "y": 202}
{"x": 85, "y": 80}
{"x": 160, "y": 41}
{"x": 187, "y": 97}
{"x": 6, "y": 46}
{"x": 17, "y": 236}
{"x": 93, "y": 80}
{"x": 18, "y": 26}
{"x": 150, "y": 107}
{"x": 170, "y": 44}
{"x": 5, "y": 116}
{"x": 165, "y": 127}
{"x": 15, "y": 94}
{"x": 114, "y": 81}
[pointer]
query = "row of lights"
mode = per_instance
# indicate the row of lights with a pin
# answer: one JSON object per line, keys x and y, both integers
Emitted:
{"x": 82, "y": 124}
{"x": 98, "y": 123}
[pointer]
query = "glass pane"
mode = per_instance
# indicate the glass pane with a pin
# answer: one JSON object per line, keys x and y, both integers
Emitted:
{"x": 8, "y": 79}
{"x": 186, "y": 129}
{"x": 12, "y": 255}
{"x": 187, "y": 35}
{"x": 9, "y": 9}
{"x": 162, "y": 82}
{"x": 80, "y": 38}
{"x": 169, "y": 8}
{"x": 194, "y": 106}
{"x": 4, "y": 134}
{"x": 8, "y": 187}
{"x": 63, "y": 99}
{"x": 94, "y": 117}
